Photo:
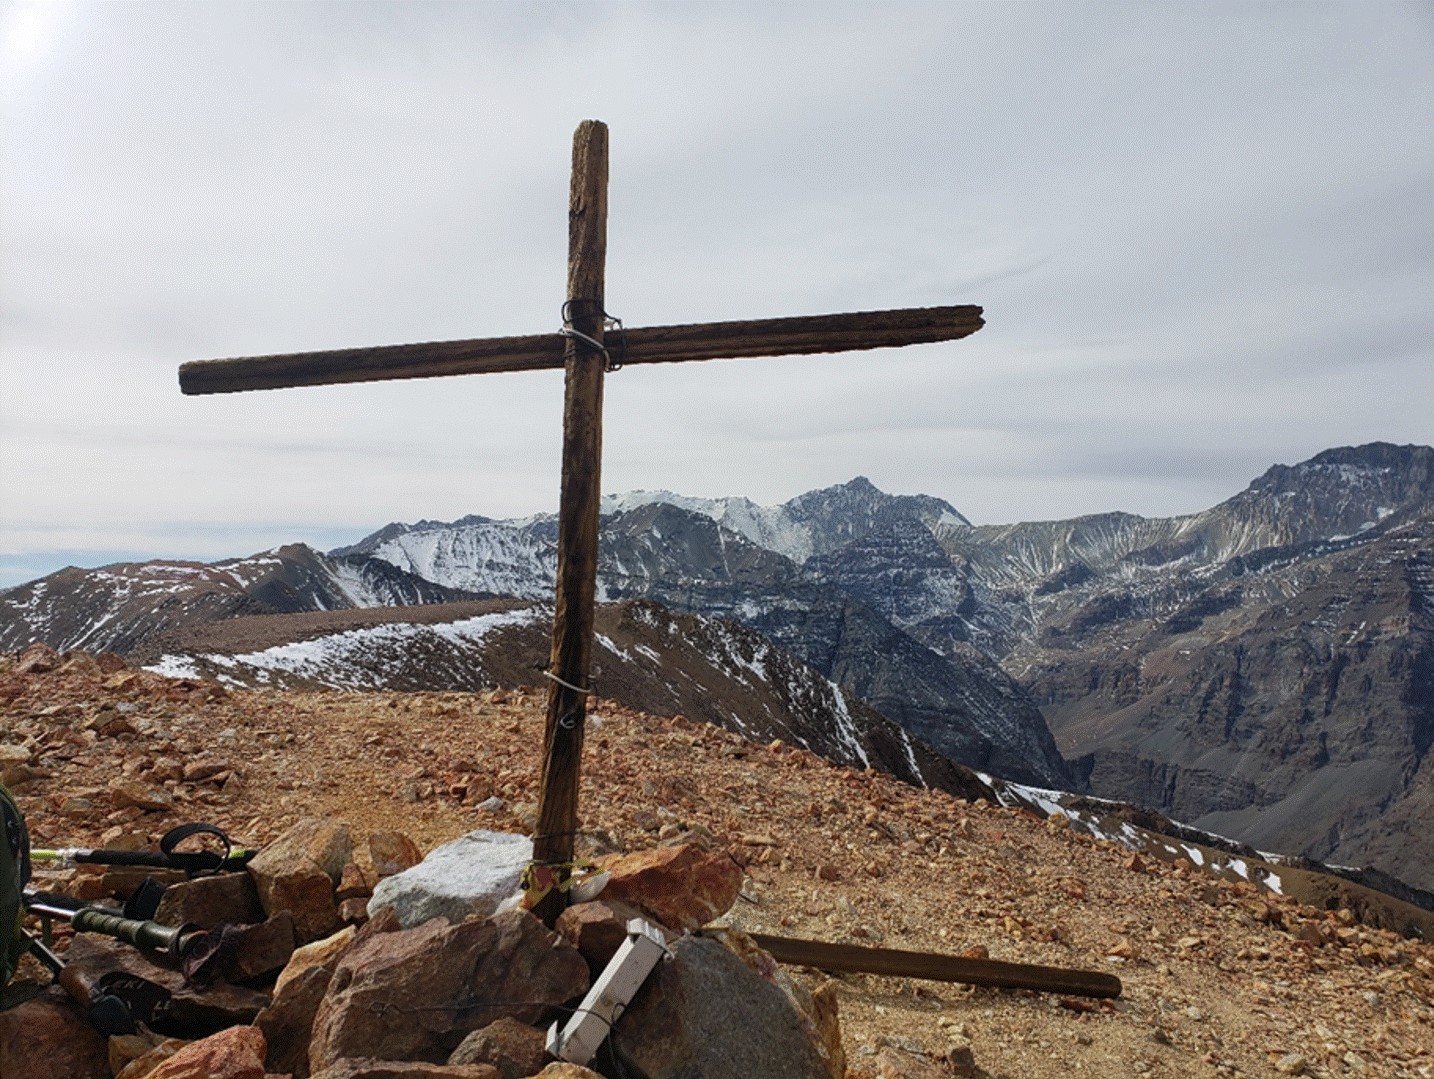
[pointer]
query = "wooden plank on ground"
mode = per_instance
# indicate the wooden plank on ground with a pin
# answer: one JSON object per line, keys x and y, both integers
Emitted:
{"x": 853, "y": 959}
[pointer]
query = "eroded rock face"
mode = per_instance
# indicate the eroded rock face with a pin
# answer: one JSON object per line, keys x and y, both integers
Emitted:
{"x": 415, "y": 994}
{"x": 707, "y": 1013}
{"x": 683, "y": 887}
{"x": 48, "y": 1038}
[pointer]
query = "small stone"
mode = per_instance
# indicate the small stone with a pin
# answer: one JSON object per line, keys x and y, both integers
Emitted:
{"x": 260, "y": 949}
{"x": 316, "y": 954}
{"x": 37, "y": 659}
{"x": 354, "y": 911}
{"x": 597, "y": 929}
{"x": 142, "y": 796}
{"x": 236, "y": 1053}
{"x": 352, "y": 884}
{"x": 209, "y": 902}
{"x": 894, "y": 1063}
{"x": 392, "y": 852}
{"x": 514, "y": 1048}
{"x": 1291, "y": 1064}
{"x": 12, "y": 754}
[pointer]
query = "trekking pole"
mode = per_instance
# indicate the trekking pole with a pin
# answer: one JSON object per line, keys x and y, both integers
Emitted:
{"x": 194, "y": 863}
{"x": 188, "y": 945}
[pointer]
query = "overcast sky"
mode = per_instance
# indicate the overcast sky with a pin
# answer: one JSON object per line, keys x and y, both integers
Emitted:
{"x": 1202, "y": 234}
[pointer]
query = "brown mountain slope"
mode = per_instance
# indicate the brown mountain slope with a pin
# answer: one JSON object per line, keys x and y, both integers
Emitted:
{"x": 1290, "y": 706}
{"x": 1218, "y": 981}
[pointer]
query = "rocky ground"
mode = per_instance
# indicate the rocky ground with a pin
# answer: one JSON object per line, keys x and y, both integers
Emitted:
{"x": 1219, "y": 980}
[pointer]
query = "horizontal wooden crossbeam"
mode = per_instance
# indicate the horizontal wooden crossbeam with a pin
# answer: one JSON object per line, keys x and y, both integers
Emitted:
{"x": 802, "y": 335}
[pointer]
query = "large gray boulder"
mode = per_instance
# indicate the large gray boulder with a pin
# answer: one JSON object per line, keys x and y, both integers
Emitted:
{"x": 470, "y": 876}
{"x": 706, "y": 1014}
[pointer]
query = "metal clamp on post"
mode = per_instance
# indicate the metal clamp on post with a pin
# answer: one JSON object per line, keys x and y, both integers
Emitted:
{"x": 610, "y": 363}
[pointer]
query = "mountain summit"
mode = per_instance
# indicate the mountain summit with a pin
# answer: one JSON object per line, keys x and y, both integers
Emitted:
{"x": 1263, "y": 668}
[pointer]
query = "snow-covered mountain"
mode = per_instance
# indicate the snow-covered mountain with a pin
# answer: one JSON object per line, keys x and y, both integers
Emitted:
{"x": 1240, "y": 667}
{"x": 127, "y": 607}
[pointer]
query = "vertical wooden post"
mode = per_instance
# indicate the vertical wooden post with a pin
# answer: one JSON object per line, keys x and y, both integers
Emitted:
{"x": 577, "y": 509}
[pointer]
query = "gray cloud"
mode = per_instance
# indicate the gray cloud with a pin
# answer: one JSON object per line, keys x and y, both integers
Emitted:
{"x": 1200, "y": 232}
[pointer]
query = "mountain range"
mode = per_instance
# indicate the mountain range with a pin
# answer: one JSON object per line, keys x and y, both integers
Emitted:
{"x": 1264, "y": 668}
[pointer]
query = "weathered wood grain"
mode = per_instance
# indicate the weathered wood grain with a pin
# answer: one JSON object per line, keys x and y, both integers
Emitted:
{"x": 801, "y": 335}
{"x": 891, "y": 962}
{"x": 581, "y": 490}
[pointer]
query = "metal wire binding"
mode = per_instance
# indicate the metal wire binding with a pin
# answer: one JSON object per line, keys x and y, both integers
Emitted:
{"x": 566, "y": 685}
{"x": 609, "y": 362}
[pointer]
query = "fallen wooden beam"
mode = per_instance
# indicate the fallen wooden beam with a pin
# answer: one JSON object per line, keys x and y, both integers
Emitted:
{"x": 854, "y": 959}
{"x": 803, "y": 335}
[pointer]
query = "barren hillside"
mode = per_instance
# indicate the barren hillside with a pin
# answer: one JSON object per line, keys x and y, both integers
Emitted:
{"x": 1219, "y": 980}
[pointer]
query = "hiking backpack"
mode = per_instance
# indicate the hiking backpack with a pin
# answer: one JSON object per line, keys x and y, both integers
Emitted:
{"x": 14, "y": 875}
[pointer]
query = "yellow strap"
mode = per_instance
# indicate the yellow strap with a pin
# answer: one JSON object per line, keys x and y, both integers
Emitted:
{"x": 540, "y": 878}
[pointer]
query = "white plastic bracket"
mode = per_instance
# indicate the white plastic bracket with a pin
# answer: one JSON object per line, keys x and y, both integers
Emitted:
{"x": 578, "y": 1042}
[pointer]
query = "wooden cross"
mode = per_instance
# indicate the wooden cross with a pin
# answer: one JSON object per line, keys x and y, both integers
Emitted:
{"x": 582, "y": 352}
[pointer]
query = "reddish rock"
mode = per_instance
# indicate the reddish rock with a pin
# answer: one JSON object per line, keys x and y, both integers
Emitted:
{"x": 298, "y": 872}
{"x": 209, "y": 902}
{"x": 683, "y": 887}
{"x": 415, "y": 994}
{"x": 893, "y": 1063}
{"x": 109, "y": 663}
{"x": 143, "y": 796}
{"x": 48, "y": 1038}
{"x": 37, "y": 659}
{"x": 202, "y": 1011}
{"x": 392, "y": 852}
{"x": 596, "y": 929}
{"x": 359, "y": 1068}
{"x": 141, "y": 1066}
{"x": 236, "y": 1053}
{"x": 515, "y": 1049}
{"x": 288, "y": 1022}
{"x": 125, "y": 1049}
{"x": 325, "y": 844}
{"x": 256, "y": 950}
{"x": 352, "y": 884}
{"x": 353, "y": 911}
{"x": 323, "y": 952}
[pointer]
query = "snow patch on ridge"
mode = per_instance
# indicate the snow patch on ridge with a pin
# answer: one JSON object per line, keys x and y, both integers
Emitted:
{"x": 354, "y": 659}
